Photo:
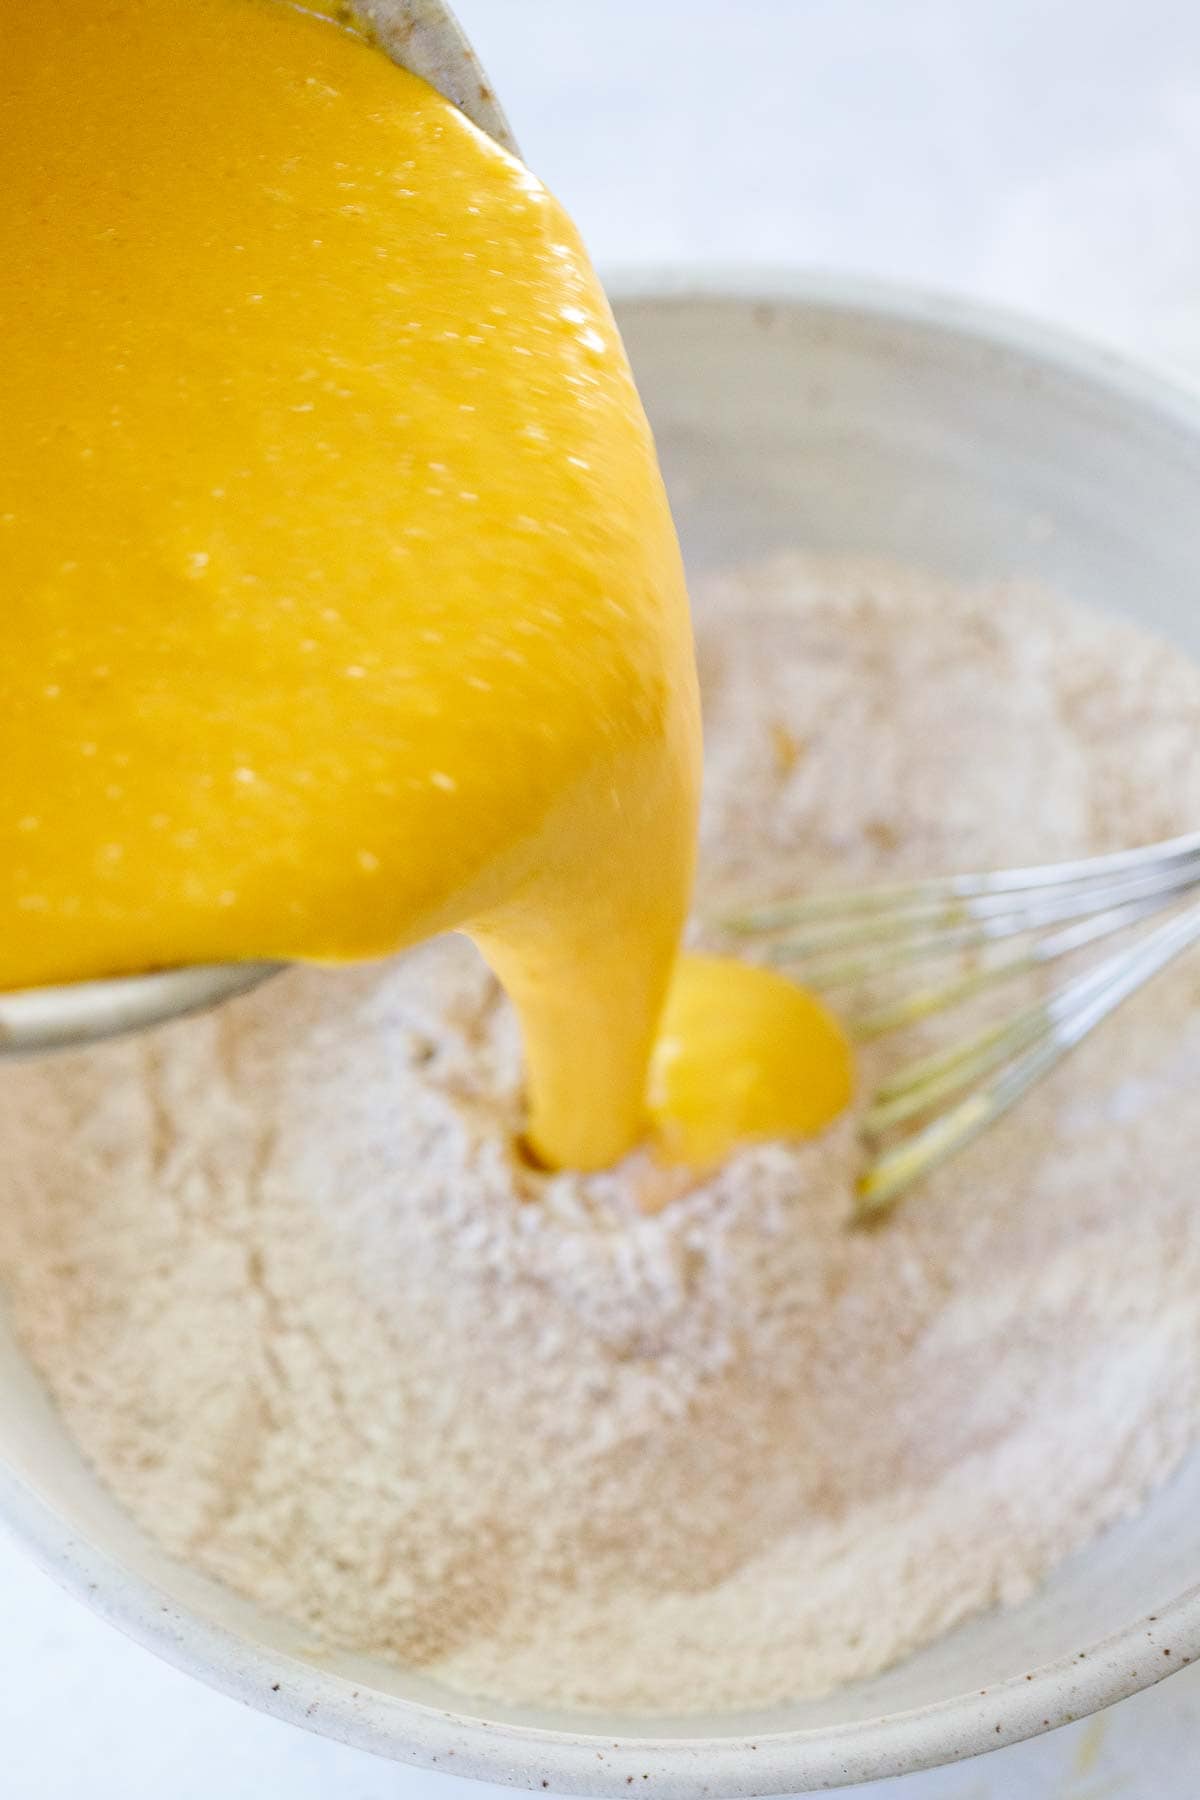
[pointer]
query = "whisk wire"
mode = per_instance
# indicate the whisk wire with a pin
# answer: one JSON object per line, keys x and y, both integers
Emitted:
{"x": 1065, "y": 1021}
{"x": 896, "y": 896}
{"x": 924, "y": 1002}
{"x": 965, "y": 924}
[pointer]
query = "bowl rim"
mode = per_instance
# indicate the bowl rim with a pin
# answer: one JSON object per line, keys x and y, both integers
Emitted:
{"x": 591, "y": 1762}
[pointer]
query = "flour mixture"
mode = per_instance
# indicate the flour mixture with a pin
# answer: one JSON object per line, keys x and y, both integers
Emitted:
{"x": 329, "y": 1338}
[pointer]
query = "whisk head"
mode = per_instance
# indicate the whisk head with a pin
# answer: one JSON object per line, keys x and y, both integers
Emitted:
{"x": 933, "y": 1106}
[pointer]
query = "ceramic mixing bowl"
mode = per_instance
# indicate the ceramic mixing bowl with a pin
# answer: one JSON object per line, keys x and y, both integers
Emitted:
{"x": 840, "y": 419}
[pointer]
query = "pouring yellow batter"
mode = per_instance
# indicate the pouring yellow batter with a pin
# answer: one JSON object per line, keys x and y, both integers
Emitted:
{"x": 340, "y": 603}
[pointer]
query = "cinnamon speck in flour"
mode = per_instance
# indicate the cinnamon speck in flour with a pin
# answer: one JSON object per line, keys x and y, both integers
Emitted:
{"x": 328, "y": 1339}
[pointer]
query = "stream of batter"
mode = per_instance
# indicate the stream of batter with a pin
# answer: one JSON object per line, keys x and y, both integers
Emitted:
{"x": 342, "y": 603}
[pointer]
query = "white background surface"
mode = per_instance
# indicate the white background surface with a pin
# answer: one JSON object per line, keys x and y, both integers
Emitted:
{"x": 1044, "y": 153}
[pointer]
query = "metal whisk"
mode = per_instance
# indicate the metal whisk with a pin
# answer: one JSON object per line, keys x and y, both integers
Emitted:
{"x": 933, "y": 1106}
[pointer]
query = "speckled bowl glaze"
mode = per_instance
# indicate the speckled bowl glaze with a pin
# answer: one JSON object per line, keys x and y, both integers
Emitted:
{"x": 837, "y": 418}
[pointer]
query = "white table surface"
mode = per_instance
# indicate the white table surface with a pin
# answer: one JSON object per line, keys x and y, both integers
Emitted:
{"x": 1044, "y": 153}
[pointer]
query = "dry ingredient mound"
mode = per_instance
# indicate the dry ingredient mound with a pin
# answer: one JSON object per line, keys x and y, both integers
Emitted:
{"x": 327, "y": 1338}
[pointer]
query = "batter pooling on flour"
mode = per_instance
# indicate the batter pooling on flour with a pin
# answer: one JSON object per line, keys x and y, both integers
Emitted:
{"x": 342, "y": 601}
